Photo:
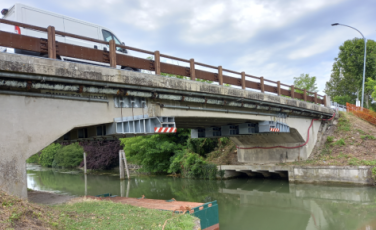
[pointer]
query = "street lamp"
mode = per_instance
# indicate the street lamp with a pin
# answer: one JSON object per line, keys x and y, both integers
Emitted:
{"x": 365, "y": 52}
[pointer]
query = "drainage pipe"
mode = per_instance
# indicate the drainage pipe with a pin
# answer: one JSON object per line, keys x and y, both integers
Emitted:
{"x": 76, "y": 81}
{"x": 17, "y": 93}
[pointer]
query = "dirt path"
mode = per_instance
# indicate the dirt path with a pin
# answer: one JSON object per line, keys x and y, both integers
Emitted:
{"x": 47, "y": 197}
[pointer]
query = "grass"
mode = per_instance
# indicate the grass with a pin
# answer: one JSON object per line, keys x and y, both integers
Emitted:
{"x": 86, "y": 214}
{"x": 92, "y": 214}
{"x": 367, "y": 137}
{"x": 340, "y": 142}
{"x": 356, "y": 162}
{"x": 343, "y": 123}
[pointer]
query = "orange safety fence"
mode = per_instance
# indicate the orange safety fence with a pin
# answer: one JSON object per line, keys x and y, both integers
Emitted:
{"x": 363, "y": 113}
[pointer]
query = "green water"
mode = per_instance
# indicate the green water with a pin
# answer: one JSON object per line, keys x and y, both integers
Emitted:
{"x": 243, "y": 203}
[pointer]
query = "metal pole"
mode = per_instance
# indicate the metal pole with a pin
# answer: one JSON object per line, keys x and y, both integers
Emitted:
{"x": 365, "y": 54}
{"x": 84, "y": 162}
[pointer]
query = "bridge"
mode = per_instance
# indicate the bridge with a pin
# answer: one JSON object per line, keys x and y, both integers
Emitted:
{"x": 44, "y": 100}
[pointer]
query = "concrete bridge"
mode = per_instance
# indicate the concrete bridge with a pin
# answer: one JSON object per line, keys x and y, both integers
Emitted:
{"x": 45, "y": 100}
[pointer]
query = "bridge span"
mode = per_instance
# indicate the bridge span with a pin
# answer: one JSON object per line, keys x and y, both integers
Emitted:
{"x": 45, "y": 100}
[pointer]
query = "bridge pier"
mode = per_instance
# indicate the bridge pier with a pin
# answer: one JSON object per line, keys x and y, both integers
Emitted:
{"x": 28, "y": 124}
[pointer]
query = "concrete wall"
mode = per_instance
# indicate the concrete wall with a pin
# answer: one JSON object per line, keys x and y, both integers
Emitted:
{"x": 296, "y": 137}
{"x": 29, "y": 124}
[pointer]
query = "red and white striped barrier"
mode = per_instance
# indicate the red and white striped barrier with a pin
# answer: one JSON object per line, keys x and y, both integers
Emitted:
{"x": 164, "y": 130}
{"x": 274, "y": 130}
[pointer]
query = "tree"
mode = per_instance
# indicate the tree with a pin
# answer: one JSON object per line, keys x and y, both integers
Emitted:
{"x": 102, "y": 154}
{"x": 305, "y": 82}
{"x": 347, "y": 73}
{"x": 69, "y": 156}
{"x": 48, "y": 154}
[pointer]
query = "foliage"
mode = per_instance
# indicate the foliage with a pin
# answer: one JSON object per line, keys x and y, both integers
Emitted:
{"x": 192, "y": 165}
{"x": 202, "y": 146}
{"x": 329, "y": 139}
{"x": 69, "y": 156}
{"x": 368, "y": 137}
{"x": 48, "y": 154}
{"x": 102, "y": 154}
{"x": 34, "y": 158}
{"x": 304, "y": 81}
{"x": 154, "y": 152}
{"x": 343, "y": 99}
{"x": 340, "y": 142}
{"x": 347, "y": 73}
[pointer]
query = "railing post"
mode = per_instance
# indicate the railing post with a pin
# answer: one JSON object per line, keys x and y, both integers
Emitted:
{"x": 292, "y": 91}
{"x": 279, "y": 88}
{"x": 262, "y": 85}
{"x": 51, "y": 42}
{"x": 305, "y": 95}
{"x": 157, "y": 62}
{"x": 112, "y": 54}
{"x": 243, "y": 80}
{"x": 220, "y": 76}
{"x": 192, "y": 69}
{"x": 315, "y": 98}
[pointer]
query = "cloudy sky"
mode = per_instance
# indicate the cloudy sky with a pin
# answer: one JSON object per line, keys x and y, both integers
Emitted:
{"x": 277, "y": 39}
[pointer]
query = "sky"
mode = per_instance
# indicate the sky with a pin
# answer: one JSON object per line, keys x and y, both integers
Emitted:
{"x": 276, "y": 39}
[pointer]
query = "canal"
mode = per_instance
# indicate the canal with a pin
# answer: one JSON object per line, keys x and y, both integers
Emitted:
{"x": 244, "y": 203}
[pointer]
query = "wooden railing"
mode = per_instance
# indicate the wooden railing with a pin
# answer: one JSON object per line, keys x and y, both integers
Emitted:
{"x": 54, "y": 49}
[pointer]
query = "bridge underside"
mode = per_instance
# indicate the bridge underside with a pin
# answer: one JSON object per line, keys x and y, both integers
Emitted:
{"x": 45, "y": 100}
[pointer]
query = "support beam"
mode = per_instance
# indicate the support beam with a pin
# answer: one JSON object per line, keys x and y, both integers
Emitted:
{"x": 51, "y": 42}
{"x": 220, "y": 76}
{"x": 125, "y": 162}
{"x": 121, "y": 166}
{"x": 112, "y": 54}
{"x": 279, "y": 88}
{"x": 262, "y": 85}
{"x": 192, "y": 69}
{"x": 157, "y": 62}
{"x": 243, "y": 80}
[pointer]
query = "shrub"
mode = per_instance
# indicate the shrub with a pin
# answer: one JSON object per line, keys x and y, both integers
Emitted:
{"x": 102, "y": 154}
{"x": 33, "y": 159}
{"x": 340, "y": 142}
{"x": 69, "y": 156}
{"x": 329, "y": 139}
{"x": 192, "y": 165}
{"x": 48, "y": 154}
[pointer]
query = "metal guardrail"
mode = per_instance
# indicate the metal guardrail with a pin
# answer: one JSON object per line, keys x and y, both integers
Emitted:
{"x": 339, "y": 107}
{"x": 55, "y": 49}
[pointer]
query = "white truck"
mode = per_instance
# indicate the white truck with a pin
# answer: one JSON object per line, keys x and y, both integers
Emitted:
{"x": 37, "y": 17}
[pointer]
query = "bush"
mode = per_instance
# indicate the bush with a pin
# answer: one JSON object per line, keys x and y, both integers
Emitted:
{"x": 48, "y": 154}
{"x": 69, "y": 156}
{"x": 102, "y": 154}
{"x": 329, "y": 139}
{"x": 33, "y": 159}
{"x": 192, "y": 165}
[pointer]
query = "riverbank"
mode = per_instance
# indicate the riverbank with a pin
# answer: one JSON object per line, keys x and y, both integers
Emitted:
{"x": 81, "y": 213}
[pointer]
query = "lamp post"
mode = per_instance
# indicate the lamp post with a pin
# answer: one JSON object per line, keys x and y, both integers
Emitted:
{"x": 365, "y": 54}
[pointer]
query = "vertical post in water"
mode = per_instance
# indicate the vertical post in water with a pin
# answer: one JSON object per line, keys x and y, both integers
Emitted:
{"x": 121, "y": 165}
{"x": 85, "y": 163}
{"x": 125, "y": 163}
{"x": 128, "y": 186}
{"x": 85, "y": 185}
{"x": 51, "y": 42}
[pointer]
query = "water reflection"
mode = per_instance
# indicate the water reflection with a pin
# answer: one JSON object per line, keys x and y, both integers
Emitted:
{"x": 243, "y": 203}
